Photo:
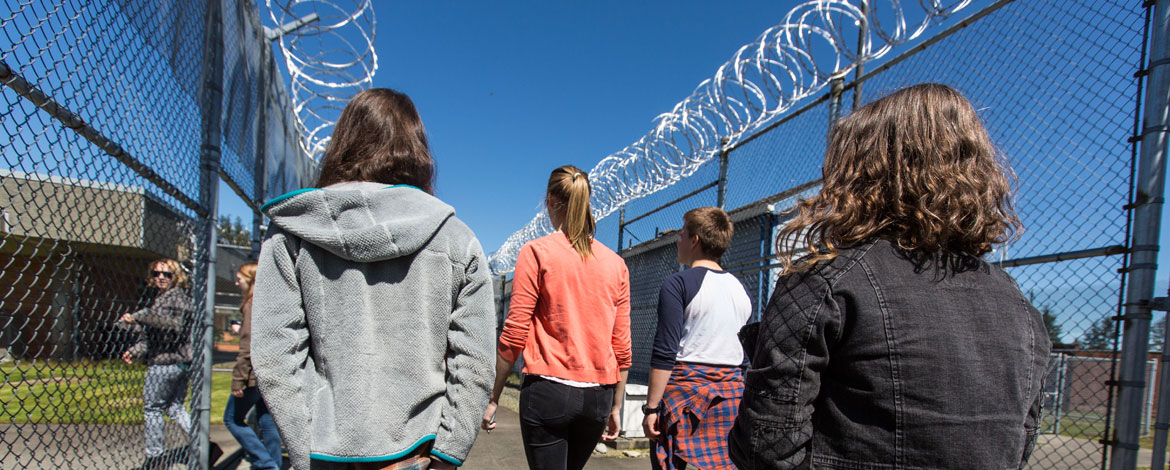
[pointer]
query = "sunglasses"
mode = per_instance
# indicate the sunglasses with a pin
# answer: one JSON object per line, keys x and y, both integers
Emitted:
{"x": 165, "y": 274}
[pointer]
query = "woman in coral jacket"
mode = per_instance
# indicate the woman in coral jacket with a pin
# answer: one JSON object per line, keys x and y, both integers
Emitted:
{"x": 570, "y": 320}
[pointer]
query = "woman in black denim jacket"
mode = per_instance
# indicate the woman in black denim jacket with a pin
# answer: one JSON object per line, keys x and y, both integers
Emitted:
{"x": 892, "y": 344}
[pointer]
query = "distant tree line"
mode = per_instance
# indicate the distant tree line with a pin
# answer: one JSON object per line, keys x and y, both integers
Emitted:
{"x": 232, "y": 232}
{"x": 1101, "y": 334}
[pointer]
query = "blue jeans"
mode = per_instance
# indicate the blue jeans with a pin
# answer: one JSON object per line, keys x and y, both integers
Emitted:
{"x": 163, "y": 394}
{"x": 264, "y": 449}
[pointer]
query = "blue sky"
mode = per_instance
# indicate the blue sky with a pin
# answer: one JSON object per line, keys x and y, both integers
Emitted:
{"x": 510, "y": 91}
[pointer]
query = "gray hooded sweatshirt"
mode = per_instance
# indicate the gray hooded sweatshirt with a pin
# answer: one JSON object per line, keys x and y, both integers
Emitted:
{"x": 373, "y": 325}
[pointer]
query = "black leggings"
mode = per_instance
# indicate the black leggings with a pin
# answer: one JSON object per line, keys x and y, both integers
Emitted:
{"x": 560, "y": 424}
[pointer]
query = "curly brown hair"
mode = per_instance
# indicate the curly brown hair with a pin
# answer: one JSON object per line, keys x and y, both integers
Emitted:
{"x": 916, "y": 168}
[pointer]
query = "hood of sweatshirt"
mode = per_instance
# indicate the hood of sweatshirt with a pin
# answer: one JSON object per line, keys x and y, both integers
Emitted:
{"x": 362, "y": 222}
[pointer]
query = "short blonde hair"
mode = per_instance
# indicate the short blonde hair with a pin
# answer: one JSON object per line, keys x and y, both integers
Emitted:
{"x": 714, "y": 228}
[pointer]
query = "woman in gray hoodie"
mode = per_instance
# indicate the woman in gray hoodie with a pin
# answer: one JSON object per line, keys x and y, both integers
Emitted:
{"x": 374, "y": 322}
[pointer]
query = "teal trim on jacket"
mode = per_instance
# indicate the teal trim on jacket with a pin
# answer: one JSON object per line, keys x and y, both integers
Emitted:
{"x": 295, "y": 192}
{"x": 446, "y": 457}
{"x": 285, "y": 196}
{"x": 396, "y": 455}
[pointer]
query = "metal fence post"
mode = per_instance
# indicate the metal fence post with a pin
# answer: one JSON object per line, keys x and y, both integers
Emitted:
{"x": 1147, "y": 220}
{"x": 501, "y": 305}
{"x": 862, "y": 50}
{"x": 767, "y": 223}
{"x": 259, "y": 166}
{"x": 1148, "y": 409}
{"x": 1162, "y": 422}
{"x": 1059, "y": 407}
{"x": 621, "y": 227}
{"x": 836, "y": 89}
{"x": 211, "y": 108}
{"x": 721, "y": 195}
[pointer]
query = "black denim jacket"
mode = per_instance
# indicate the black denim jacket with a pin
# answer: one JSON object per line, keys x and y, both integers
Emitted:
{"x": 875, "y": 361}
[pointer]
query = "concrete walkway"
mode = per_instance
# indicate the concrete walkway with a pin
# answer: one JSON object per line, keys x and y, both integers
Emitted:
{"x": 500, "y": 449}
{"x": 1063, "y": 452}
{"x": 120, "y": 446}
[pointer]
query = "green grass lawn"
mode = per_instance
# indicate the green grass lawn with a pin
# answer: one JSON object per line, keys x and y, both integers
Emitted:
{"x": 84, "y": 392}
{"x": 1091, "y": 428}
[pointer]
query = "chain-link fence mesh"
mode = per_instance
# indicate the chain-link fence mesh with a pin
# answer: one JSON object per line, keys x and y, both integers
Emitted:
{"x": 1054, "y": 82}
{"x": 1054, "y": 85}
{"x": 102, "y": 139}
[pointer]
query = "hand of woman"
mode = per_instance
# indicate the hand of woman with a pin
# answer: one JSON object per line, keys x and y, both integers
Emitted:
{"x": 489, "y": 416}
{"x": 238, "y": 393}
{"x": 613, "y": 425}
{"x": 128, "y": 358}
{"x": 127, "y": 318}
{"x": 650, "y": 426}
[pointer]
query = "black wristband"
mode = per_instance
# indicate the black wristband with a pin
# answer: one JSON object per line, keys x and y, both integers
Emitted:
{"x": 647, "y": 410}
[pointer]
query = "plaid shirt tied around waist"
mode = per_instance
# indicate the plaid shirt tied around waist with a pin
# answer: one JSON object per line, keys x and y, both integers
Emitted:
{"x": 698, "y": 409}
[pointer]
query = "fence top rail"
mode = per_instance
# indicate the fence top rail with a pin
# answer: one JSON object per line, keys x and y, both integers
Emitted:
{"x": 1066, "y": 256}
{"x": 671, "y": 203}
{"x": 760, "y": 206}
{"x": 72, "y": 120}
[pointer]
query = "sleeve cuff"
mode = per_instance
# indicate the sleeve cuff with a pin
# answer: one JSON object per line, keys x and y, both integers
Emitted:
{"x": 661, "y": 364}
{"x": 508, "y": 352}
{"x": 447, "y": 458}
{"x": 625, "y": 363}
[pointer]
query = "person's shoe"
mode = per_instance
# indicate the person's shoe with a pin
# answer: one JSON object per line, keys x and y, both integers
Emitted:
{"x": 214, "y": 453}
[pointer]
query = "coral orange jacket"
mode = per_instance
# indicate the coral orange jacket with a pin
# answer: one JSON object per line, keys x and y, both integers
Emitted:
{"x": 570, "y": 317}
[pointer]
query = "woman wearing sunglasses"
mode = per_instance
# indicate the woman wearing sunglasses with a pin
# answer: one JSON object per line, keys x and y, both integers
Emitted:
{"x": 163, "y": 324}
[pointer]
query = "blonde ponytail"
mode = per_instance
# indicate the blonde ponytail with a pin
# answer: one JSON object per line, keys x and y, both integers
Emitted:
{"x": 568, "y": 187}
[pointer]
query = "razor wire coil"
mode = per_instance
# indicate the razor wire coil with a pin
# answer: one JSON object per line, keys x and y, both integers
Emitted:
{"x": 786, "y": 64}
{"x": 328, "y": 61}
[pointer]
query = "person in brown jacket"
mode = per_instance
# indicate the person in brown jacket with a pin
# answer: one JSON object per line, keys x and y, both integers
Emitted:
{"x": 263, "y": 450}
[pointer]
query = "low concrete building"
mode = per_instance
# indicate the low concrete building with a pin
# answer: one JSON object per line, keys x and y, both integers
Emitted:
{"x": 74, "y": 256}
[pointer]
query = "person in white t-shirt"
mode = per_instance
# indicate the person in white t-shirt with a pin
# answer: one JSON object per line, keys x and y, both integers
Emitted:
{"x": 696, "y": 375}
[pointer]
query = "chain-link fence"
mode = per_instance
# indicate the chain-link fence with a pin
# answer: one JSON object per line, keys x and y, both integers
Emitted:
{"x": 116, "y": 115}
{"x": 1055, "y": 84}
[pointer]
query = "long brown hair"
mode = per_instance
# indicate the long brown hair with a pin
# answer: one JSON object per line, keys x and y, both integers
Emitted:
{"x": 916, "y": 168}
{"x": 178, "y": 276}
{"x": 568, "y": 195}
{"x": 379, "y": 137}
{"x": 248, "y": 272}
